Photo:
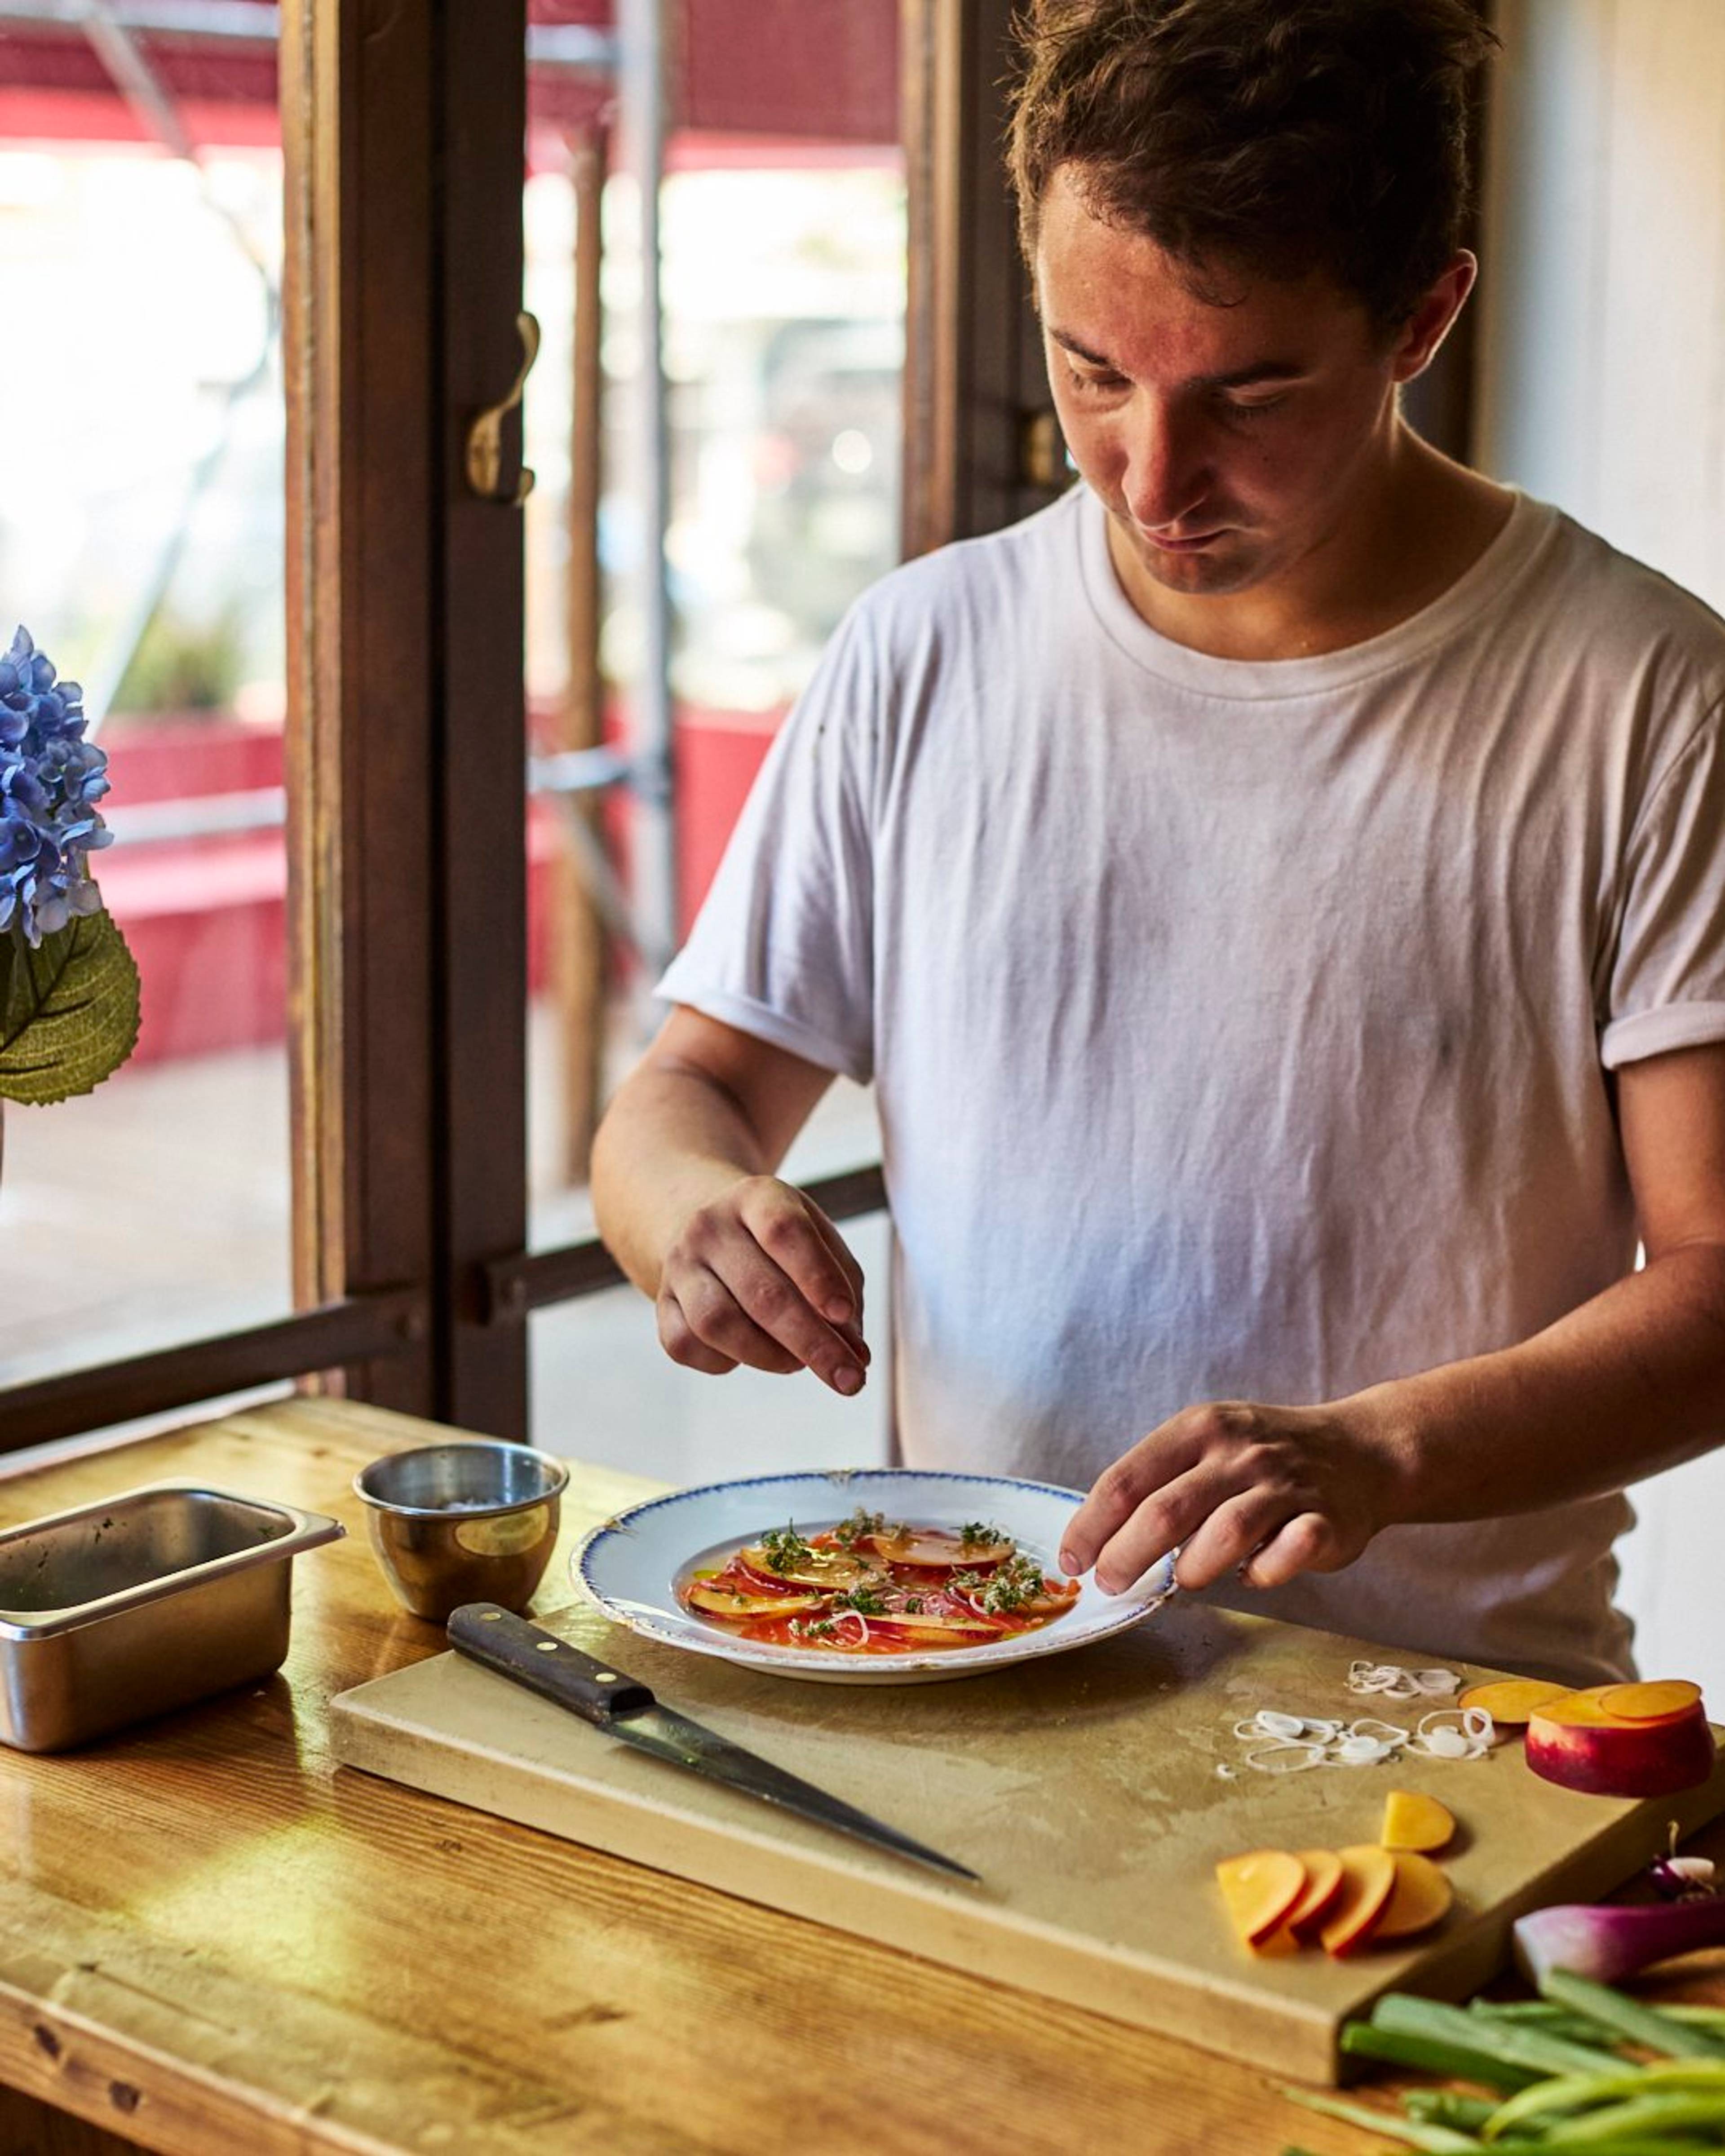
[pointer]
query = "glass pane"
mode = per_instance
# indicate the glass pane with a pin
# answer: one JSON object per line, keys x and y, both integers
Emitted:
{"x": 783, "y": 282}
{"x": 140, "y": 542}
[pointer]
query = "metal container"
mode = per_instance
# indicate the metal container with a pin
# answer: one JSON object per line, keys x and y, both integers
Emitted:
{"x": 126, "y": 1608}
{"x": 475, "y": 1521}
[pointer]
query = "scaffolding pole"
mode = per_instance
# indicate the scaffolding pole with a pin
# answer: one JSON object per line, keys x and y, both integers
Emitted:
{"x": 641, "y": 81}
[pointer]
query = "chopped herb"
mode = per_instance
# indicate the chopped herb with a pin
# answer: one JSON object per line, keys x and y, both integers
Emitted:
{"x": 1017, "y": 1581}
{"x": 976, "y": 1533}
{"x": 862, "y": 1598}
{"x": 913, "y": 1606}
{"x": 783, "y": 1547}
{"x": 849, "y": 1533}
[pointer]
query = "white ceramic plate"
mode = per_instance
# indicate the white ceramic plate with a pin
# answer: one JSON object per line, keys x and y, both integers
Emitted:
{"x": 633, "y": 1565}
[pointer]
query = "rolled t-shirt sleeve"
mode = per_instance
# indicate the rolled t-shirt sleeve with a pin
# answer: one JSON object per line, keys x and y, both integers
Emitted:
{"x": 1667, "y": 982}
{"x": 784, "y": 946}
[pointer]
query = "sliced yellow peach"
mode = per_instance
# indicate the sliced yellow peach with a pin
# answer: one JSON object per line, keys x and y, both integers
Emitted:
{"x": 1513, "y": 1700}
{"x": 1367, "y": 1879}
{"x": 1650, "y": 1702}
{"x": 1588, "y": 1710}
{"x": 1260, "y": 1888}
{"x": 733, "y": 1602}
{"x": 1419, "y": 1898}
{"x": 1413, "y": 1820}
{"x": 1323, "y": 1883}
{"x": 936, "y": 1546}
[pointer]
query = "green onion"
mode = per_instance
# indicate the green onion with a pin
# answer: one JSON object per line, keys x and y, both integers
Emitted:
{"x": 1514, "y": 2043}
{"x": 1571, "y": 2092}
{"x": 1438, "y": 2140}
{"x": 1646, "y": 2117}
{"x": 1467, "y": 2114}
{"x": 1629, "y": 2018}
{"x": 1471, "y": 2062}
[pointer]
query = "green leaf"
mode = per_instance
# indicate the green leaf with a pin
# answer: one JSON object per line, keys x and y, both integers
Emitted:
{"x": 68, "y": 1010}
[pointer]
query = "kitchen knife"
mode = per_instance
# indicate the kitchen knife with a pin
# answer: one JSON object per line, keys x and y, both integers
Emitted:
{"x": 621, "y": 1707}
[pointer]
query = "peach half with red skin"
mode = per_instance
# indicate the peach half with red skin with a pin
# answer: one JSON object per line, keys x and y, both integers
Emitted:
{"x": 1605, "y": 1741}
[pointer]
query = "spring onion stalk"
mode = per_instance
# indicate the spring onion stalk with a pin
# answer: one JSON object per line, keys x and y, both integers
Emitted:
{"x": 1468, "y": 2062}
{"x": 1628, "y": 2020}
{"x": 1536, "y": 2107}
{"x": 1647, "y": 2117}
{"x": 1608, "y": 1943}
{"x": 1467, "y": 2114}
{"x": 1515, "y": 2044}
{"x": 1436, "y": 2140}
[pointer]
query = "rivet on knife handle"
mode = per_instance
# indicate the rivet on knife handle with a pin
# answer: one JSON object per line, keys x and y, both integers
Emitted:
{"x": 510, "y": 1644}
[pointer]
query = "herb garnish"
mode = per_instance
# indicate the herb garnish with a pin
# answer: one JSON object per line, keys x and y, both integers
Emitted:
{"x": 849, "y": 1533}
{"x": 1017, "y": 1581}
{"x": 976, "y": 1533}
{"x": 783, "y": 1547}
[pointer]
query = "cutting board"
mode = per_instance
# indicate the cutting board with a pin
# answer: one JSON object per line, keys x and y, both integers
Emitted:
{"x": 1094, "y": 1792}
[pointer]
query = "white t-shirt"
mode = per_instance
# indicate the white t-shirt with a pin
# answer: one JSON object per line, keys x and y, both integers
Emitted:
{"x": 1243, "y": 1029}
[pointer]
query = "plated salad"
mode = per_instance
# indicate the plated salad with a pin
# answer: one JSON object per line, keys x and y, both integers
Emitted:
{"x": 874, "y": 1586}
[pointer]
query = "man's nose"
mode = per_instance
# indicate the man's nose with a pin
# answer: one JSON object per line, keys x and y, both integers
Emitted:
{"x": 1165, "y": 473}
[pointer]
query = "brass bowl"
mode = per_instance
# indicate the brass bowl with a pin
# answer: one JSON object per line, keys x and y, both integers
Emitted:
{"x": 474, "y": 1520}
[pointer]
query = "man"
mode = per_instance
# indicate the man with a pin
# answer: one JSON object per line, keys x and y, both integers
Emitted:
{"x": 1278, "y": 891}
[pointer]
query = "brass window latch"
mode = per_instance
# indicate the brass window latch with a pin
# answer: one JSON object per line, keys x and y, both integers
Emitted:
{"x": 484, "y": 437}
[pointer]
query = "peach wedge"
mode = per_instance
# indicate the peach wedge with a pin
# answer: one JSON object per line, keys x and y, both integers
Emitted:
{"x": 1583, "y": 1741}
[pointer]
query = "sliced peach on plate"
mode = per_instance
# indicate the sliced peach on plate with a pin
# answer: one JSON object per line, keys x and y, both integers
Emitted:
{"x": 1368, "y": 1880}
{"x": 936, "y": 1546}
{"x": 1413, "y": 1820}
{"x": 1512, "y": 1700}
{"x": 1584, "y": 1740}
{"x": 737, "y": 1602}
{"x": 1260, "y": 1887}
{"x": 1419, "y": 1898}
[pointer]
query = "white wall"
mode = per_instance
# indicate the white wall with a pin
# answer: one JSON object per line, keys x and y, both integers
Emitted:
{"x": 1602, "y": 387}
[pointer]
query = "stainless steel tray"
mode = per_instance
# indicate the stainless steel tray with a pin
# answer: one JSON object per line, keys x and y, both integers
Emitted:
{"x": 144, "y": 1602}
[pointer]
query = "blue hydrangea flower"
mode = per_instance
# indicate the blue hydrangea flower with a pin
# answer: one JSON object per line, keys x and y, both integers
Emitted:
{"x": 50, "y": 780}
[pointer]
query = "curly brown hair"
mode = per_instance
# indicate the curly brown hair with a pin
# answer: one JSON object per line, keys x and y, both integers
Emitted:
{"x": 1265, "y": 137}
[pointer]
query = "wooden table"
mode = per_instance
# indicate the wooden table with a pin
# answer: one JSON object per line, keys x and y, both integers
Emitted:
{"x": 215, "y": 1942}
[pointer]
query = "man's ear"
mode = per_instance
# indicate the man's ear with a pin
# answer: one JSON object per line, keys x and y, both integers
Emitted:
{"x": 1428, "y": 325}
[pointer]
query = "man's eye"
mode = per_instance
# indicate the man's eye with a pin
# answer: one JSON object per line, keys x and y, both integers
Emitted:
{"x": 1093, "y": 381}
{"x": 1259, "y": 408}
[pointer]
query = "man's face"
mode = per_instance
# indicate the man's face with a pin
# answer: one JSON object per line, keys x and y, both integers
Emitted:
{"x": 1233, "y": 446}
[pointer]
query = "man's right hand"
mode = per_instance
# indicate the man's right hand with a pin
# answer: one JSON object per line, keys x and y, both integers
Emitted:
{"x": 760, "y": 1276}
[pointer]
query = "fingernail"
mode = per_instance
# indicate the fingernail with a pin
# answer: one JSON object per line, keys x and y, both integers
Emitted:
{"x": 1106, "y": 1586}
{"x": 847, "y": 1379}
{"x": 838, "y": 1311}
{"x": 1070, "y": 1564}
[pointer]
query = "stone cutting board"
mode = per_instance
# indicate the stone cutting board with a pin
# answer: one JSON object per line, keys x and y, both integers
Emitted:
{"x": 1086, "y": 1788}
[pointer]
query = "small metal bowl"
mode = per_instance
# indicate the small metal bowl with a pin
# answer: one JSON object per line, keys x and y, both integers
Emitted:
{"x": 473, "y": 1521}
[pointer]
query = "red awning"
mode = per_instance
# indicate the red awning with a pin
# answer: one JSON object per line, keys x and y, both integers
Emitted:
{"x": 822, "y": 69}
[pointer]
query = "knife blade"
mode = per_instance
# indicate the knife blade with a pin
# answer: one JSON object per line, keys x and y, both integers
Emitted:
{"x": 622, "y": 1708}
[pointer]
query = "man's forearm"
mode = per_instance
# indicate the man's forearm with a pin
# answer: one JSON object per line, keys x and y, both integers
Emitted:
{"x": 1632, "y": 1381}
{"x": 671, "y": 1140}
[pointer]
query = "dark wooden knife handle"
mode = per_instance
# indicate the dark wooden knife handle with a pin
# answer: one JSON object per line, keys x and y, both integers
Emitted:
{"x": 544, "y": 1663}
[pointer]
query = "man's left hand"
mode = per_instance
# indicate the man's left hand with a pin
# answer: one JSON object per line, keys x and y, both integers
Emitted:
{"x": 1266, "y": 1492}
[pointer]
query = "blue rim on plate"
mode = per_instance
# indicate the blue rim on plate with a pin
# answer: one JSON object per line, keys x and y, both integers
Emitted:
{"x": 629, "y": 1567}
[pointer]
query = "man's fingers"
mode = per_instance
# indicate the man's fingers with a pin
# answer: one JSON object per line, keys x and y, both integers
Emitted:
{"x": 791, "y": 1233}
{"x": 1228, "y": 1538}
{"x": 842, "y": 1256}
{"x": 1306, "y": 1544}
{"x": 757, "y": 1315}
{"x": 1161, "y": 1523}
{"x": 678, "y": 1338}
{"x": 1151, "y": 1464}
